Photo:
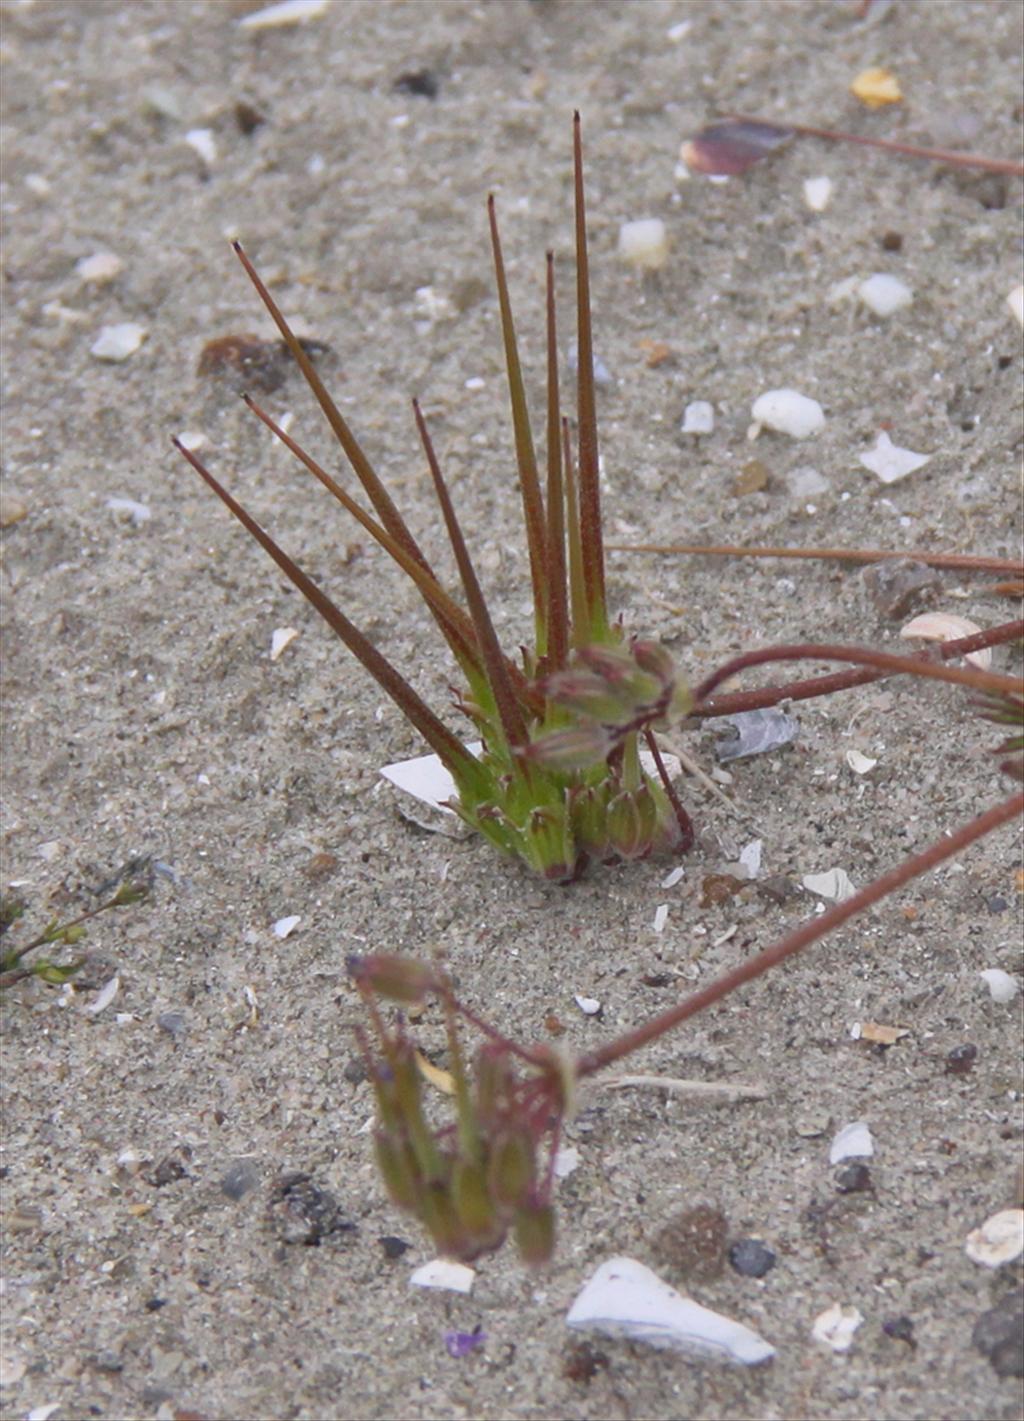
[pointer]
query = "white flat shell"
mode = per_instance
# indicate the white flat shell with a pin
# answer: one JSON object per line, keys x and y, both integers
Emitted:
{"x": 884, "y": 295}
{"x": 888, "y": 462}
{"x": 104, "y": 996}
{"x": 117, "y": 343}
{"x": 284, "y": 927}
{"x": 853, "y": 1141}
{"x": 698, "y": 418}
{"x": 947, "y": 626}
{"x": 444, "y": 1273}
{"x": 835, "y": 1327}
{"x": 789, "y": 412}
{"x": 589, "y": 1006}
{"x": 750, "y": 857}
{"x": 281, "y": 640}
{"x": 834, "y": 884}
{"x": 626, "y": 1299}
{"x": 1001, "y": 985}
{"x": 288, "y": 12}
{"x": 858, "y": 763}
{"x": 999, "y": 1240}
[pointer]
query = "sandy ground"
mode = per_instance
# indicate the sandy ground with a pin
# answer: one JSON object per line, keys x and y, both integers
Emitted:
{"x": 143, "y": 715}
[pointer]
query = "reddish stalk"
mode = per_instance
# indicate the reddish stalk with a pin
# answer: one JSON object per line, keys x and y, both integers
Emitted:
{"x": 591, "y": 536}
{"x": 959, "y": 561}
{"x": 801, "y": 937}
{"x": 891, "y": 145}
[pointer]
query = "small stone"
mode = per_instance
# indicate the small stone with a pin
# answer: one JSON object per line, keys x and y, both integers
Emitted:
{"x": 280, "y": 640}
{"x": 284, "y": 927}
{"x": 12, "y": 510}
{"x": 173, "y": 1022}
{"x": 423, "y": 83}
{"x": 393, "y": 1246}
{"x": 108, "y": 1361}
{"x": 117, "y": 343}
{"x": 817, "y": 193}
{"x": 301, "y": 1213}
{"x": 884, "y": 295}
{"x": 960, "y": 1061}
{"x": 806, "y": 483}
{"x": 788, "y": 412}
{"x": 692, "y": 1243}
{"x": 854, "y": 1179}
{"x": 751, "y": 1258}
{"x": 777, "y": 888}
{"x": 836, "y": 1326}
{"x": 321, "y": 865}
{"x": 999, "y": 1335}
{"x": 240, "y": 1177}
{"x": 718, "y": 888}
{"x": 643, "y": 244}
{"x": 853, "y": 1141}
{"x": 98, "y": 269}
{"x": 835, "y": 884}
{"x": 899, "y": 585}
{"x": 1015, "y": 303}
{"x": 167, "y": 1171}
{"x": 900, "y": 1329}
{"x": 999, "y": 1240}
{"x": 1002, "y": 987}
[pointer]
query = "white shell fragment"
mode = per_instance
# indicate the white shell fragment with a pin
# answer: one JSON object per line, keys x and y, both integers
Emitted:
{"x": 1002, "y": 987}
{"x": 851, "y": 1142}
{"x": 818, "y": 193}
{"x": 589, "y": 1006}
{"x": 673, "y": 876}
{"x": 860, "y": 764}
{"x": 202, "y": 141}
{"x": 644, "y": 244}
{"x": 660, "y": 917}
{"x": 281, "y": 640}
{"x": 788, "y": 412}
{"x": 835, "y": 884}
{"x": 889, "y": 462}
{"x": 98, "y": 269}
{"x": 835, "y": 1327}
{"x": 750, "y": 857}
{"x": 626, "y": 1299}
{"x": 947, "y": 626}
{"x": 288, "y": 12}
{"x": 567, "y": 1160}
{"x": 139, "y": 513}
{"x": 444, "y": 1273}
{"x": 999, "y": 1240}
{"x": 104, "y": 996}
{"x": 117, "y": 343}
{"x": 884, "y": 295}
{"x": 1015, "y": 302}
{"x": 284, "y": 927}
{"x": 698, "y": 418}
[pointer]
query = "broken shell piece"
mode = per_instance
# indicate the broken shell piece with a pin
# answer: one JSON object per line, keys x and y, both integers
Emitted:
{"x": 750, "y": 858}
{"x": 851, "y": 1142}
{"x": 567, "y": 1159}
{"x": 698, "y": 418}
{"x": 1002, "y": 987}
{"x": 835, "y": 1327}
{"x": 644, "y": 244}
{"x": 589, "y": 1006}
{"x": 889, "y": 462}
{"x": 1015, "y": 301}
{"x": 104, "y": 996}
{"x": 117, "y": 343}
{"x": 879, "y": 1034}
{"x": 999, "y": 1240}
{"x": 444, "y": 1273}
{"x": 284, "y": 927}
{"x": 818, "y": 193}
{"x": 626, "y": 1299}
{"x": 876, "y": 87}
{"x": 834, "y": 884}
{"x": 788, "y": 412}
{"x": 202, "y": 141}
{"x": 660, "y": 917}
{"x": 947, "y": 626}
{"x": 139, "y": 513}
{"x": 288, "y": 12}
{"x": 884, "y": 295}
{"x": 281, "y": 640}
{"x": 858, "y": 763}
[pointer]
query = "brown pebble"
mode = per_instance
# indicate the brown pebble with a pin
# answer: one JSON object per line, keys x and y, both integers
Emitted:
{"x": 960, "y": 1061}
{"x": 891, "y": 241}
{"x": 752, "y": 478}
{"x": 718, "y": 888}
{"x": 249, "y": 362}
{"x": 321, "y": 865}
{"x": 12, "y": 510}
{"x": 897, "y": 585}
{"x": 248, "y": 117}
{"x": 693, "y": 1242}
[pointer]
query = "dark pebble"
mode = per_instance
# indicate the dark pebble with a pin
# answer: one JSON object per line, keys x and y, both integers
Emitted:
{"x": 777, "y": 888}
{"x": 169, "y": 1169}
{"x": 108, "y": 1361}
{"x": 960, "y": 1061}
{"x": 300, "y": 1212}
{"x": 155, "y": 1304}
{"x": 999, "y": 1335}
{"x": 891, "y": 241}
{"x": 853, "y": 1179}
{"x": 355, "y": 1071}
{"x": 751, "y": 1258}
{"x": 421, "y": 82}
{"x": 583, "y": 1362}
{"x": 248, "y": 117}
{"x": 996, "y": 903}
{"x": 239, "y": 1178}
{"x": 393, "y": 1246}
{"x": 900, "y": 1329}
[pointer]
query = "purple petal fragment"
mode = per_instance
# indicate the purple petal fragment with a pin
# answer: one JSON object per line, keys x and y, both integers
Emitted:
{"x": 729, "y": 148}
{"x": 757, "y": 732}
{"x": 460, "y": 1344}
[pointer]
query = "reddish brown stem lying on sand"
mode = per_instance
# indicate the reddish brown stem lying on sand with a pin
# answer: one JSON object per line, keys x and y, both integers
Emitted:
{"x": 880, "y": 664}
{"x": 964, "y": 562}
{"x": 801, "y": 937}
{"x": 891, "y": 145}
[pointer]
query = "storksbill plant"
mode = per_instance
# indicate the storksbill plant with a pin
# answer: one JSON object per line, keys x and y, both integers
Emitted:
{"x": 559, "y": 781}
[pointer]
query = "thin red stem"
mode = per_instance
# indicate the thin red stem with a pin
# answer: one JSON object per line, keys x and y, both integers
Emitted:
{"x": 958, "y": 561}
{"x": 801, "y": 937}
